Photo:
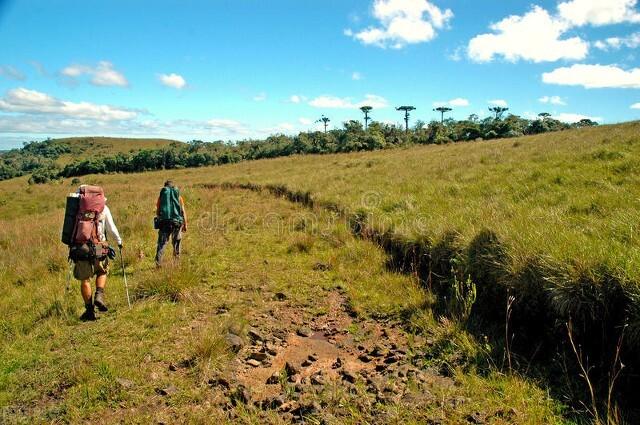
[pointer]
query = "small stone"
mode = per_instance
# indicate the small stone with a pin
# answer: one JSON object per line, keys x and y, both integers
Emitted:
{"x": 240, "y": 395}
{"x": 290, "y": 369}
{"x": 337, "y": 364}
{"x": 235, "y": 342}
{"x": 364, "y": 358}
{"x": 293, "y": 378}
{"x": 274, "y": 378}
{"x": 317, "y": 379}
{"x": 377, "y": 351}
{"x": 258, "y": 356}
{"x": 125, "y": 383}
{"x": 255, "y": 335}
{"x": 391, "y": 359}
{"x": 348, "y": 376}
{"x": 172, "y": 367}
{"x": 279, "y": 296}
{"x": 253, "y": 362}
{"x": 167, "y": 391}
{"x": 381, "y": 367}
{"x": 271, "y": 348}
{"x": 219, "y": 382}
{"x": 306, "y": 363}
{"x": 313, "y": 357}
{"x": 304, "y": 332}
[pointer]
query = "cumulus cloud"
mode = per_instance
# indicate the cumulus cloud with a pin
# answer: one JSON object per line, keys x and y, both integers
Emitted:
{"x": 598, "y": 12}
{"x": 333, "y": 102}
{"x": 594, "y": 76}
{"x": 573, "y": 118}
{"x": 356, "y": 76}
{"x": 552, "y": 100}
{"x": 457, "y": 102}
{"x": 635, "y": 106}
{"x": 498, "y": 102}
{"x": 536, "y": 36}
{"x": 540, "y": 36}
{"x": 103, "y": 74}
{"x": 297, "y": 99}
{"x": 219, "y": 125}
{"x": 11, "y": 73}
{"x": 305, "y": 121}
{"x": 30, "y": 101}
{"x": 614, "y": 43}
{"x": 402, "y": 22}
{"x": 172, "y": 80}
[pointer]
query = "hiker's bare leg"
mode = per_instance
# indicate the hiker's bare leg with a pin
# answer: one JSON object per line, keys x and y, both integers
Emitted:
{"x": 101, "y": 281}
{"x": 85, "y": 289}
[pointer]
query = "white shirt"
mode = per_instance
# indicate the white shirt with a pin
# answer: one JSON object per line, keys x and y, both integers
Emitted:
{"x": 105, "y": 222}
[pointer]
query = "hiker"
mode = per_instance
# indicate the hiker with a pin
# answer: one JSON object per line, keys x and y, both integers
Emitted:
{"x": 89, "y": 246}
{"x": 170, "y": 220}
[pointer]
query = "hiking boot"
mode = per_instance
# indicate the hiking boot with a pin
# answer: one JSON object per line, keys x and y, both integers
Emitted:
{"x": 98, "y": 300}
{"x": 89, "y": 314}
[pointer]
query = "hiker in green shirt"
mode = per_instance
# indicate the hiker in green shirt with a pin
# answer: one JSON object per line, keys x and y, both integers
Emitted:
{"x": 171, "y": 220}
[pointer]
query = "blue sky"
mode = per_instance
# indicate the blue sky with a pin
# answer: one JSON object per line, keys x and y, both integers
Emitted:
{"x": 237, "y": 69}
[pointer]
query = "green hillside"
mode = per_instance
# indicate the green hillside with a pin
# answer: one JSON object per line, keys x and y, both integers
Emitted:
{"x": 106, "y": 146}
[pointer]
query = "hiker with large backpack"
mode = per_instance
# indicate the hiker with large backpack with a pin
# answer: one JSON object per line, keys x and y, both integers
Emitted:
{"x": 87, "y": 222}
{"x": 170, "y": 220}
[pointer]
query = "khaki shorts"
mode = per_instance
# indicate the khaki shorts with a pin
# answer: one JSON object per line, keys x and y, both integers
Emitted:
{"x": 84, "y": 270}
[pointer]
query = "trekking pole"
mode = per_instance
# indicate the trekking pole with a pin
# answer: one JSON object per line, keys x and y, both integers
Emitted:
{"x": 124, "y": 276}
{"x": 68, "y": 288}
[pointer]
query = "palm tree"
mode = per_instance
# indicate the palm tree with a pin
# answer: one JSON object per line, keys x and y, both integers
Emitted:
{"x": 406, "y": 110}
{"x": 443, "y": 110}
{"x": 366, "y": 110}
{"x": 324, "y": 120}
{"x": 498, "y": 110}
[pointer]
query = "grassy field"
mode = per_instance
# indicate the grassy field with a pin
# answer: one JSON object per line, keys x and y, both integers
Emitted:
{"x": 251, "y": 262}
{"x": 549, "y": 219}
{"x": 104, "y": 146}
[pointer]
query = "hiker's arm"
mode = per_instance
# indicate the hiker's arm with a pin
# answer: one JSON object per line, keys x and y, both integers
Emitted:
{"x": 111, "y": 226}
{"x": 184, "y": 214}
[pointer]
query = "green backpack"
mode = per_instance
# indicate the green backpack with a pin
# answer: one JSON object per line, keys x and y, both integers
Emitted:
{"x": 170, "y": 208}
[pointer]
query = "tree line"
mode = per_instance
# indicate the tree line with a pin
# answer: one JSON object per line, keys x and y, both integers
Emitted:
{"x": 38, "y": 158}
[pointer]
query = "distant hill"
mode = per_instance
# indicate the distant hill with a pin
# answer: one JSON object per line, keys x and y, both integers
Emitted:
{"x": 105, "y": 146}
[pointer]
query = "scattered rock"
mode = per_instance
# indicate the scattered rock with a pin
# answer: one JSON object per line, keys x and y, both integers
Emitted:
{"x": 321, "y": 267}
{"x": 274, "y": 378}
{"x": 337, "y": 364}
{"x": 235, "y": 342}
{"x": 272, "y": 403}
{"x": 167, "y": 391}
{"x": 391, "y": 359}
{"x": 271, "y": 348}
{"x": 318, "y": 379}
{"x": 381, "y": 367}
{"x": 364, "y": 358}
{"x": 293, "y": 378}
{"x": 304, "y": 332}
{"x": 219, "y": 382}
{"x": 172, "y": 367}
{"x": 290, "y": 369}
{"x": 307, "y": 363}
{"x": 125, "y": 383}
{"x": 279, "y": 296}
{"x": 313, "y": 357}
{"x": 348, "y": 376}
{"x": 378, "y": 351}
{"x": 258, "y": 356}
{"x": 475, "y": 418}
{"x": 253, "y": 362}
{"x": 240, "y": 395}
{"x": 255, "y": 335}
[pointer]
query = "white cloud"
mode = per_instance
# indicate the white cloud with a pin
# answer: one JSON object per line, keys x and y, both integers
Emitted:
{"x": 35, "y": 102}
{"x": 537, "y": 36}
{"x": 457, "y": 102}
{"x": 260, "y": 97}
{"x": 333, "y": 102}
{"x": 305, "y": 121}
{"x": 173, "y": 80}
{"x": 598, "y": 12}
{"x": 402, "y": 22}
{"x": 631, "y": 41}
{"x": 573, "y": 118}
{"x": 220, "y": 125}
{"x": 553, "y": 100}
{"x": 594, "y": 76}
{"x": 11, "y": 73}
{"x": 635, "y": 106}
{"x": 297, "y": 99}
{"x": 102, "y": 74}
{"x": 499, "y": 102}
{"x": 356, "y": 76}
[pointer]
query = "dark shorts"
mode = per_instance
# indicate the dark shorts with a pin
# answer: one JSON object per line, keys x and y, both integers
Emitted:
{"x": 86, "y": 269}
